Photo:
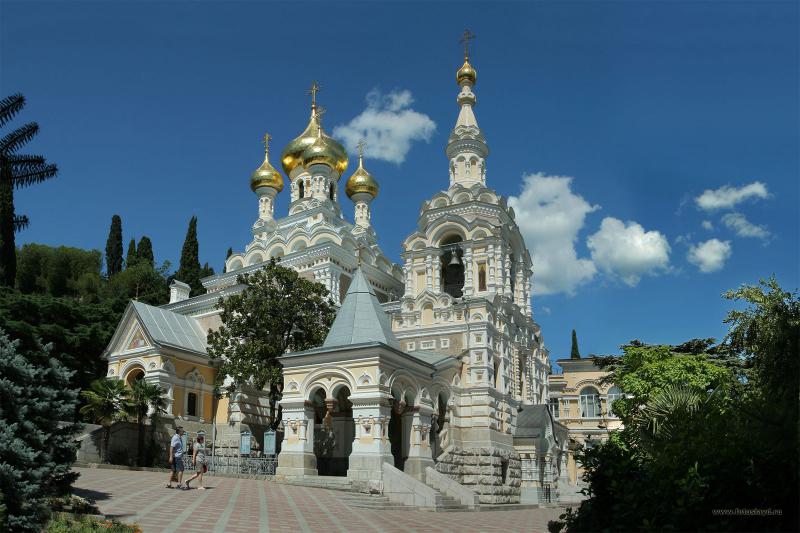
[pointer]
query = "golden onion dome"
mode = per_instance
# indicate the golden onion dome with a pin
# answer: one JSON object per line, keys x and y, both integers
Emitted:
{"x": 321, "y": 152}
{"x": 266, "y": 175}
{"x": 467, "y": 73}
{"x": 361, "y": 181}
{"x": 292, "y": 156}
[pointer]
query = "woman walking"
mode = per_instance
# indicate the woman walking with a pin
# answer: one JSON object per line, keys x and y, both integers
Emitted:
{"x": 199, "y": 461}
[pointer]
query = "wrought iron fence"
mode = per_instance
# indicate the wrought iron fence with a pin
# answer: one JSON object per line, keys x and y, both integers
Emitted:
{"x": 251, "y": 466}
{"x": 546, "y": 494}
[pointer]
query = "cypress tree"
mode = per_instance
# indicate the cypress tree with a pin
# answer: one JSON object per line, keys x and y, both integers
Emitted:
{"x": 574, "y": 353}
{"x": 145, "y": 251}
{"x": 227, "y": 255}
{"x": 114, "y": 247}
{"x": 189, "y": 267}
{"x": 130, "y": 257}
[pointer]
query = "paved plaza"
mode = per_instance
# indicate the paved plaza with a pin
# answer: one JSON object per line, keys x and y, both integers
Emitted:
{"x": 242, "y": 505}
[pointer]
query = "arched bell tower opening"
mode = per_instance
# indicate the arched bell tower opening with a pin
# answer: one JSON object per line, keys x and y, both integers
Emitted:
{"x": 452, "y": 266}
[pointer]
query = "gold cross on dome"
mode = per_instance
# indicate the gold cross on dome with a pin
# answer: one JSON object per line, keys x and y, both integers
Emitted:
{"x": 320, "y": 111}
{"x": 313, "y": 90}
{"x": 361, "y": 144}
{"x": 465, "y": 39}
{"x": 267, "y": 139}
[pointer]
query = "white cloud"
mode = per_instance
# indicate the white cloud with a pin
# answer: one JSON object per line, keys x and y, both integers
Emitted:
{"x": 708, "y": 225}
{"x": 389, "y": 125}
{"x": 744, "y": 228}
{"x": 628, "y": 251}
{"x": 550, "y": 216}
{"x": 710, "y": 256}
{"x": 727, "y": 197}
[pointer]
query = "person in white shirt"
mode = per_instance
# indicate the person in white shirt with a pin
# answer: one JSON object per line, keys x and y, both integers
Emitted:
{"x": 176, "y": 457}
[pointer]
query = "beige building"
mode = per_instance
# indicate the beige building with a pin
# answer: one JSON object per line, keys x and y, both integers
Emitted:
{"x": 434, "y": 367}
{"x": 583, "y": 403}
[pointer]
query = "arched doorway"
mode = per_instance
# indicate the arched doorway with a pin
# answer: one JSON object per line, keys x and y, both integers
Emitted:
{"x": 136, "y": 374}
{"x": 400, "y": 428}
{"x": 439, "y": 427}
{"x": 334, "y": 430}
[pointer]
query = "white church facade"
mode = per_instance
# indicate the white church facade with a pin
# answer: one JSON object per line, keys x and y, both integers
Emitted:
{"x": 434, "y": 367}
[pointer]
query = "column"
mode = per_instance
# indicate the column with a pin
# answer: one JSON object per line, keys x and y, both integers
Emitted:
{"x": 371, "y": 446}
{"x": 468, "y": 272}
{"x": 419, "y": 451}
{"x": 297, "y": 452}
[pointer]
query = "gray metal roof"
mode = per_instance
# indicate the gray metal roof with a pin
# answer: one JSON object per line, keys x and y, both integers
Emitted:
{"x": 432, "y": 358}
{"x": 171, "y": 329}
{"x": 360, "y": 318}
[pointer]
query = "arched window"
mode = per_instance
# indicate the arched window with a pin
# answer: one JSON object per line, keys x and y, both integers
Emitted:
{"x": 512, "y": 272}
{"x": 191, "y": 404}
{"x": 614, "y": 393}
{"x": 554, "y": 407}
{"x": 301, "y": 189}
{"x": 330, "y": 192}
{"x": 481, "y": 277}
{"x": 452, "y": 266}
{"x": 590, "y": 403}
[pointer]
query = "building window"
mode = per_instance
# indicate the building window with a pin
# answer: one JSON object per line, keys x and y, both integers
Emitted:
{"x": 554, "y": 407}
{"x": 427, "y": 345}
{"x": 590, "y": 403}
{"x": 300, "y": 189}
{"x": 330, "y": 192}
{"x": 444, "y": 343}
{"x": 481, "y": 277}
{"x": 411, "y": 346}
{"x": 452, "y": 266}
{"x": 614, "y": 393}
{"x": 191, "y": 404}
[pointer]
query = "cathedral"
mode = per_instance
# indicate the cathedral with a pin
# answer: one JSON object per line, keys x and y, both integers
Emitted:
{"x": 434, "y": 371}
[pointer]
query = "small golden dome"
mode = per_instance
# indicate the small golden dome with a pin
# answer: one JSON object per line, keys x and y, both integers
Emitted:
{"x": 266, "y": 175}
{"x": 466, "y": 73}
{"x": 321, "y": 152}
{"x": 361, "y": 182}
{"x": 292, "y": 156}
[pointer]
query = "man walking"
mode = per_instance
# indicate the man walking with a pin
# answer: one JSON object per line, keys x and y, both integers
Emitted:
{"x": 176, "y": 457}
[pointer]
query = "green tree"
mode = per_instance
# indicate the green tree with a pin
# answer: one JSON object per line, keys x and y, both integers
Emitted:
{"x": 189, "y": 270}
{"x": 144, "y": 252}
{"x": 227, "y": 255}
{"x": 61, "y": 271}
{"x": 142, "y": 397}
{"x": 37, "y": 432}
{"x": 114, "y": 247}
{"x": 78, "y": 332}
{"x": 705, "y": 427}
{"x": 279, "y": 311}
{"x": 16, "y": 170}
{"x": 130, "y": 257}
{"x": 574, "y": 352}
{"x": 106, "y": 403}
{"x": 141, "y": 282}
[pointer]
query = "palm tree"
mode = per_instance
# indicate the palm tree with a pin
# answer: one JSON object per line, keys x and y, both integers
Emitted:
{"x": 16, "y": 170}
{"x": 145, "y": 396}
{"x": 106, "y": 403}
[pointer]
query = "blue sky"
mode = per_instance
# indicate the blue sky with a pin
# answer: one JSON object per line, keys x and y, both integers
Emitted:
{"x": 651, "y": 147}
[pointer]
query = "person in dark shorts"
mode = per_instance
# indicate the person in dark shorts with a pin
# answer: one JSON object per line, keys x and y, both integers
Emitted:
{"x": 176, "y": 458}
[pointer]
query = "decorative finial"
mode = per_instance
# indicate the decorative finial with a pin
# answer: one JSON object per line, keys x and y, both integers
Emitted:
{"x": 465, "y": 39}
{"x": 267, "y": 139}
{"x": 361, "y": 144}
{"x": 313, "y": 90}
{"x": 358, "y": 253}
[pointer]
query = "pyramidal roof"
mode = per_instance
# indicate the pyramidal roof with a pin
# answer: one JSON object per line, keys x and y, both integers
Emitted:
{"x": 361, "y": 318}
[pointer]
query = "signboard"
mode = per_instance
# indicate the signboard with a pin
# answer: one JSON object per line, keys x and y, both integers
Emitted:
{"x": 244, "y": 444}
{"x": 269, "y": 442}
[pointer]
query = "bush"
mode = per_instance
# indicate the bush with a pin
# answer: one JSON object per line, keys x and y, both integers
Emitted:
{"x": 67, "y": 524}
